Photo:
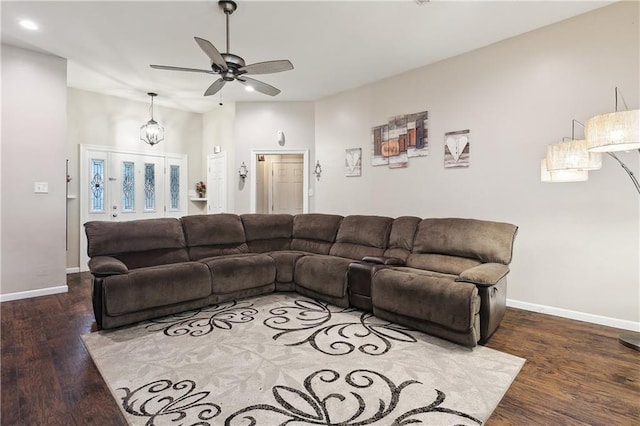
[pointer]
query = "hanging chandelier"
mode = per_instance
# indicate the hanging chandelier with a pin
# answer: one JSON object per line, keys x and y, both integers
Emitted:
{"x": 151, "y": 132}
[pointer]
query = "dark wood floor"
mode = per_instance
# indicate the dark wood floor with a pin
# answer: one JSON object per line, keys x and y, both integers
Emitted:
{"x": 576, "y": 373}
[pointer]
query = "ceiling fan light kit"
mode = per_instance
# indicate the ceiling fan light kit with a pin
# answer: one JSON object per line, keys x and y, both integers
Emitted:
{"x": 232, "y": 67}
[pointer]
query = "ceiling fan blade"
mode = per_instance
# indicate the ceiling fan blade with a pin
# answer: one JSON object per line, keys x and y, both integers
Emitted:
{"x": 215, "y": 87}
{"x": 259, "y": 86}
{"x": 267, "y": 67}
{"x": 212, "y": 53}
{"x": 166, "y": 67}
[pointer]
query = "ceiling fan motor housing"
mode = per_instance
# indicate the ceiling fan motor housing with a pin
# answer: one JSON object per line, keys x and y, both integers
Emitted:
{"x": 233, "y": 63}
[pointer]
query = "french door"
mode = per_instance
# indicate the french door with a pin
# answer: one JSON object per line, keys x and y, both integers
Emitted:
{"x": 118, "y": 185}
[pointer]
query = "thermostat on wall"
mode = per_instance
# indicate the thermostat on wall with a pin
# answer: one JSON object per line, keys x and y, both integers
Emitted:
{"x": 281, "y": 137}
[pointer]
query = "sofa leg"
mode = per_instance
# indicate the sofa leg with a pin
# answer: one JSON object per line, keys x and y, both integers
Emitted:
{"x": 493, "y": 305}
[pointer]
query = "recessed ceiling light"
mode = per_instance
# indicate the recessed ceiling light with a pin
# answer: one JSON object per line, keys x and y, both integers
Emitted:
{"x": 249, "y": 88}
{"x": 29, "y": 25}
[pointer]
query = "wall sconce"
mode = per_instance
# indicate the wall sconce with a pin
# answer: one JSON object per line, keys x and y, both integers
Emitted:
{"x": 243, "y": 171}
{"x": 152, "y": 132}
{"x": 318, "y": 170}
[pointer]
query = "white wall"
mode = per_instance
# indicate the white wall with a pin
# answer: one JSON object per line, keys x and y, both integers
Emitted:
{"x": 256, "y": 127}
{"x": 578, "y": 244}
{"x": 33, "y": 150}
{"x": 96, "y": 119}
{"x": 218, "y": 130}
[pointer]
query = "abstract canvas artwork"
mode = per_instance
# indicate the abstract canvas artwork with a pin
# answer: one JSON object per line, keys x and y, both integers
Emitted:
{"x": 403, "y": 137}
{"x": 456, "y": 149}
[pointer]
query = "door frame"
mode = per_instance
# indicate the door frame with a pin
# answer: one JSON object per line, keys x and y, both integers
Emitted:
{"x": 253, "y": 182}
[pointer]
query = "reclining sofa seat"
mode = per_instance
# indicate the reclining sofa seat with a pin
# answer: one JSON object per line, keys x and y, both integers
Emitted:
{"x": 271, "y": 234}
{"x": 454, "y": 282}
{"x": 219, "y": 242}
{"x": 141, "y": 270}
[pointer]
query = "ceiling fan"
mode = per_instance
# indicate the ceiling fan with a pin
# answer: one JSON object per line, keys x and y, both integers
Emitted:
{"x": 232, "y": 67}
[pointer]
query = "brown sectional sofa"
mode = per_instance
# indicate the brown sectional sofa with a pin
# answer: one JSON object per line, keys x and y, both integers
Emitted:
{"x": 446, "y": 277}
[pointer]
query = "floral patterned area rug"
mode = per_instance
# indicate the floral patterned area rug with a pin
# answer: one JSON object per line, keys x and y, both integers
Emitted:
{"x": 283, "y": 359}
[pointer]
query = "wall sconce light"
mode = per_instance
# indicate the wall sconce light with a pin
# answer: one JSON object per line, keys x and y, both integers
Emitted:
{"x": 243, "y": 171}
{"x": 318, "y": 170}
{"x": 152, "y": 132}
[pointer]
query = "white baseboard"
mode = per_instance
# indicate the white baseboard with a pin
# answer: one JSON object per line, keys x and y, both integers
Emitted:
{"x": 74, "y": 270}
{"x": 580, "y": 316}
{"x": 33, "y": 293}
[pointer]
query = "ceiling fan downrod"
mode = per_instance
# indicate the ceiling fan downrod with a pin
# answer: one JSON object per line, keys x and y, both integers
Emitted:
{"x": 228, "y": 7}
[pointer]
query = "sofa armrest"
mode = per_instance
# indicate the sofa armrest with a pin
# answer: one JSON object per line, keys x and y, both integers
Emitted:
{"x": 103, "y": 266}
{"x": 484, "y": 275}
{"x": 382, "y": 260}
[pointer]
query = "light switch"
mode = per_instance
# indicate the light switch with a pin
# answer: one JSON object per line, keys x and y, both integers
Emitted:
{"x": 41, "y": 187}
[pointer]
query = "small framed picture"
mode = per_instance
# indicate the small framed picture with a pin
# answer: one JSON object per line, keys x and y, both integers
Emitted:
{"x": 456, "y": 149}
{"x": 353, "y": 162}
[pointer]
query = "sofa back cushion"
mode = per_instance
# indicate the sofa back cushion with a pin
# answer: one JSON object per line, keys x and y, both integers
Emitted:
{"x": 268, "y": 232}
{"x": 403, "y": 229}
{"x": 209, "y": 235}
{"x": 360, "y": 236}
{"x": 314, "y": 232}
{"x": 459, "y": 243}
{"x": 138, "y": 243}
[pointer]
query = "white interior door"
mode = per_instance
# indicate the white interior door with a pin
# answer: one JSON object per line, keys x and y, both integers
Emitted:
{"x": 217, "y": 183}
{"x": 286, "y": 194}
{"x": 117, "y": 185}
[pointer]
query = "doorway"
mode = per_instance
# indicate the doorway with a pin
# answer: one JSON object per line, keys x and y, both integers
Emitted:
{"x": 280, "y": 182}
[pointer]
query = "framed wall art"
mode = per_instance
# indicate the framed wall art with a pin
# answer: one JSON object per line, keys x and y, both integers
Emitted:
{"x": 403, "y": 137}
{"x": 456, "y": 149}
{"x": 353, "y": 162}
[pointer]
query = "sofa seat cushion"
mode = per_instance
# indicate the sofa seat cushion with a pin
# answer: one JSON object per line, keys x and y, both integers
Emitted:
{"x": 441, "y": 263}
{"x": 285, "y": 264}
{"x": 323, "y": 274}
{"x": 156, "y": 286}
{"x": 230, "y": 274}
{"x": 435, "y": 298}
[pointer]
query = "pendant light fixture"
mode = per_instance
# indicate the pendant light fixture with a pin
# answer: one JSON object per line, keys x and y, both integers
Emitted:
{"x": 151, "y": 132}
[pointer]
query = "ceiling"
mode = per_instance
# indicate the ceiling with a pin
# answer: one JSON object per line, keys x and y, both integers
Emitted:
{"x": 334, "y": 46}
